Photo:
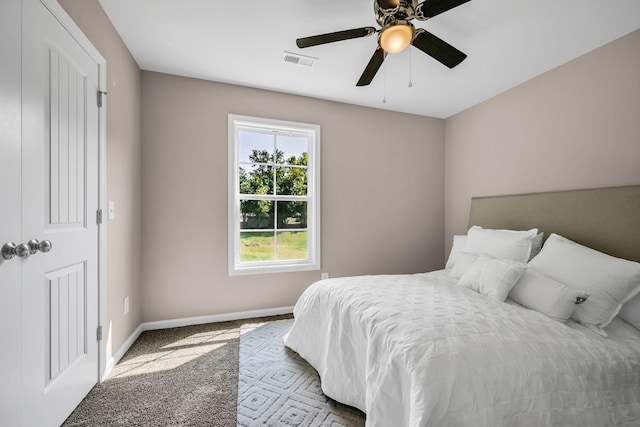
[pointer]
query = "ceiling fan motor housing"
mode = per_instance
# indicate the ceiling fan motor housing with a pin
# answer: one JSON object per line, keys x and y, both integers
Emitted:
{"x": 400, "y": 11}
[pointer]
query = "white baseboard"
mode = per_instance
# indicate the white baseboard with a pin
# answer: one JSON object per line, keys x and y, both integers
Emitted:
{"x": 187, "y": 321}
{"x": 121, "y": 351}
{"x": 215, "y": 318}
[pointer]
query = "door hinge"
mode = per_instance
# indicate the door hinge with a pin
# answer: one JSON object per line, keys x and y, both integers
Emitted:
{"x": 100, "y": 93}
{"x": 99, "y": 333}
{"x": 99, "y": 216}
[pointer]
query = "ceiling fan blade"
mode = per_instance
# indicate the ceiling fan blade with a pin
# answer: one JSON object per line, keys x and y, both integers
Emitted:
{"x": 372, "y": 67}
{"x": 335, "y": 37}
{"x": 431, "y": 8}
{"x": 438, "y": 49}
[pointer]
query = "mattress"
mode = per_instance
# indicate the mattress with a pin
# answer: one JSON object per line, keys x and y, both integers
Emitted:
{"x": 417, "y": 350}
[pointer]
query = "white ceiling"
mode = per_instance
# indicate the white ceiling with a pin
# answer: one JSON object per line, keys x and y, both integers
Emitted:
{"x": 507, "y": 42}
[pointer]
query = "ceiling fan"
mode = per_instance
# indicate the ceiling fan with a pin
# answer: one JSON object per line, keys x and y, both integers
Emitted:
{"x": 397, "y": 33}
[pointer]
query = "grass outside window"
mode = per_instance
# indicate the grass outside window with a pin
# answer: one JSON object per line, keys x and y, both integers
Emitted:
{"x": 260, "y": 246}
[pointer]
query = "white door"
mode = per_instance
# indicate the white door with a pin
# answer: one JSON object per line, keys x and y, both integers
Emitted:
{"x": 10, "y": 272}
{"x": 59, "y": 204}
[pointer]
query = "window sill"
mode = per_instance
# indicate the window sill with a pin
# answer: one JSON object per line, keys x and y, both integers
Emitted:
{"x": 268, "y": 269}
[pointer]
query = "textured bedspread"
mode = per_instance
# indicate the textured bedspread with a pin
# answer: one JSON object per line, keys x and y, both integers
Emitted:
{"x": 417, "y": 350}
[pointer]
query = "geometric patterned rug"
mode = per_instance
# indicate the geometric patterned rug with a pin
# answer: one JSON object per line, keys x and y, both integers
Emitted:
{"x": 277, "y": 387}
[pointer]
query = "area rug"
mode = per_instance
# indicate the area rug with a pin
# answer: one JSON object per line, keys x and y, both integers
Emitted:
{"x": 276, "y": 387}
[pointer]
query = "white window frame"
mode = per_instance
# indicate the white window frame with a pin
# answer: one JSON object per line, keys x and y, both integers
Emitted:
{"x": 236, "y": 123}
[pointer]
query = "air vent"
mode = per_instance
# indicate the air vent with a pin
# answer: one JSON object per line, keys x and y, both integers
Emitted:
{"x": 294, "y": 58}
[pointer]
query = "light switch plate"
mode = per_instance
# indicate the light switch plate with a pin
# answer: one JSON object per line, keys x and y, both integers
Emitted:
{"x": 112, "y": 209}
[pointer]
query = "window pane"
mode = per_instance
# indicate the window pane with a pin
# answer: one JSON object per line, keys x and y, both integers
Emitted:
{"x": 255, "y": 147}
{"x": 292, "y": 215}
{"x": 255, "y": 179}
{"x": 256, "y": 246}
{"x": 292, "y": 150}
{"x": 256, "y": 214}
{"x": 291, "y": 181}
{"x": 292, "y": 245}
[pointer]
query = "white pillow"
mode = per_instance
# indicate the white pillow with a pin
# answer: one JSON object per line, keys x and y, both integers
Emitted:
{"x": 536, "y": 245}
{"x": 631, "y": 311}
{"x": 502, "y": 244}
{"x": 493, "y": 277}
{"x": 547, "y": 296}
{"x": 463, "y": 264}
{"x": 459, "y": 245}
{"x": 610, "y": 281}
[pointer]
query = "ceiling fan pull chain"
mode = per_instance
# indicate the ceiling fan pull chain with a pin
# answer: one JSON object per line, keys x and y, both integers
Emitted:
{"x": 410, "y": 83}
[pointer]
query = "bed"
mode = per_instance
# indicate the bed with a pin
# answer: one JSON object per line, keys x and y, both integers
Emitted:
{"x": 421, "y": 350}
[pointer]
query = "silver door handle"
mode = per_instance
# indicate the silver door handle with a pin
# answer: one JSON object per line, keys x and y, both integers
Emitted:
{"x": 9, "y": 250}
{"x": 22, "y": 250}
{"x": 35, "y": 246}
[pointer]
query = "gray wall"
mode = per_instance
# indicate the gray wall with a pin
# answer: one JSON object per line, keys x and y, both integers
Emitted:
{"x": 124, "y": 148}
{"x": 577, "y": 126}
{"x": 382, "y": 180}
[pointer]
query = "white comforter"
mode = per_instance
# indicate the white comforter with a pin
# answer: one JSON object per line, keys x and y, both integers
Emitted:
{"x": 417, "y": 350}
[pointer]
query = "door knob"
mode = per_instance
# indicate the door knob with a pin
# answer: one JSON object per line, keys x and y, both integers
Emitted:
{"x": 9, "y": 250}
{"x": 45, "y": 246}
{"x": 35, "y": 246}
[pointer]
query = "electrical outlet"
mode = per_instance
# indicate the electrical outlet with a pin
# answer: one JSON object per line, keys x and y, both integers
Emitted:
{"x": 324, "y": 276}
{"x": 126, "y": 305}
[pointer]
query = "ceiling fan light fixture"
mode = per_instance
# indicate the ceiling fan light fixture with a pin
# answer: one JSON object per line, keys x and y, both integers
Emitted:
{"x": 396, "y": 37}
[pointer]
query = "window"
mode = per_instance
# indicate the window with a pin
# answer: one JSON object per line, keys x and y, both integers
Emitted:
{"x": 274, "y": 196}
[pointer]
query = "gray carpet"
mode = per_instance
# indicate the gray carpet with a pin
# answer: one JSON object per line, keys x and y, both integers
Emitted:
{"x": 179, "y": 377}
{"x": 276, "y": 387}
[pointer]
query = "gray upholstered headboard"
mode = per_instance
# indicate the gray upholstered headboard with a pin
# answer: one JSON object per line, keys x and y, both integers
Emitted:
{"x": 606, "y": 219}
